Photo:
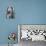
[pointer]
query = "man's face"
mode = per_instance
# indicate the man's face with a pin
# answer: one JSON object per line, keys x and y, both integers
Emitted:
{"x": 9, "y": 10}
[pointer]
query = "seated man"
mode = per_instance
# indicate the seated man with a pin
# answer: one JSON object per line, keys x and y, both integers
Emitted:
{"x": 24, "y": 34}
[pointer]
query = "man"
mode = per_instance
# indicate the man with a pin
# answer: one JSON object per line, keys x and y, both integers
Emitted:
{"x": 12, "y": 36}
{"x": 10, "y": 12}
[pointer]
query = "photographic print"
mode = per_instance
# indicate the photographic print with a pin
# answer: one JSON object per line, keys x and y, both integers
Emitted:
{"x": 10, "y": 12}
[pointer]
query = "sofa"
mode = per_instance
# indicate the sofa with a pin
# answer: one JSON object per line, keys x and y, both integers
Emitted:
{"x": 25, "y": 34}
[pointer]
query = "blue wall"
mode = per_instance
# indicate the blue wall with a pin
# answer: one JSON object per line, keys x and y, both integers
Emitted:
{"x": 27, "y": 12}
{"x": 31, "y": 11}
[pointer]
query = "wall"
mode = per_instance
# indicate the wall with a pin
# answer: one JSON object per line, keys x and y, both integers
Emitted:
{"x": 6, "y": 25}
{"x": 31, "y": 11}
